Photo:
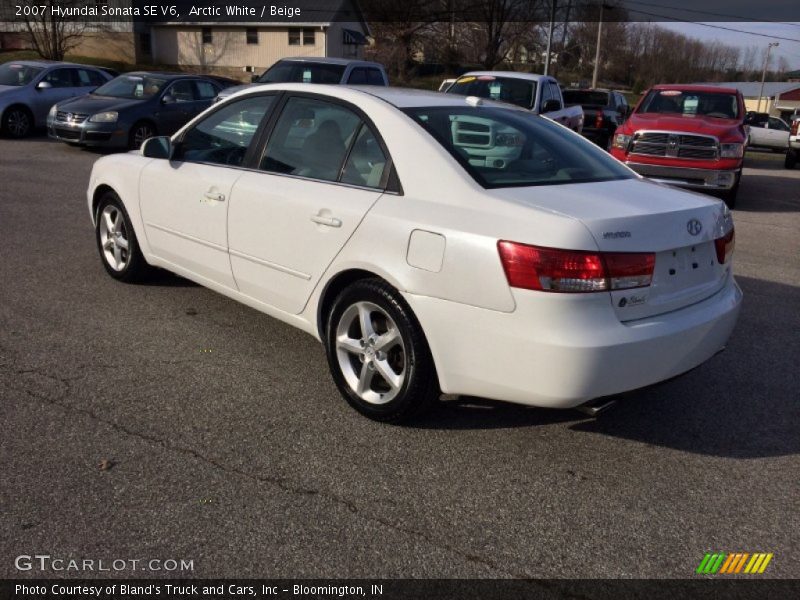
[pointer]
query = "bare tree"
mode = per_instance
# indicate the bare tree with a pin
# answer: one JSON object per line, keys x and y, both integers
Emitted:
{"x": 50, "y": 35}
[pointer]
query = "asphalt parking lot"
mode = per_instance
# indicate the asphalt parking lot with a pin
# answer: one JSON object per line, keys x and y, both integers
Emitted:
{"x": 166, "y": 421}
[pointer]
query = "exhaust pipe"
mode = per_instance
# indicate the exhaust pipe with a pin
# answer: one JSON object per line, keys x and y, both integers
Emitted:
{"x": 595, "y": 409}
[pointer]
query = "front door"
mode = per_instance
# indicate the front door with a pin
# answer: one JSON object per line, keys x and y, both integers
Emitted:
{"x": 184, "y": 201}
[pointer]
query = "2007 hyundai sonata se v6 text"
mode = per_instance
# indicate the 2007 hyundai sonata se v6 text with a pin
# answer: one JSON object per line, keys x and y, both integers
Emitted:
{"x": 433, "y": 243}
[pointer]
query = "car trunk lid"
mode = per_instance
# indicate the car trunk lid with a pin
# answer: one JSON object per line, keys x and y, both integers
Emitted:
{"x": 640, "y": 216}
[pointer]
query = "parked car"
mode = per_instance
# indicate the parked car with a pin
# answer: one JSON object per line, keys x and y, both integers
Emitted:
{"x": 446, "y": 83}
{"x": 539, "y": 94}
{"x": 315, "y": 69}
{"x": 131, "y": 108}
{"x": 28, "y": 88}
{"x": 603, "y": 112}
{"x": 691, "y": 136}
{"x": 764, "y": 131}
{"x": 431, "y": 243}
{"x": 793, "y": 152}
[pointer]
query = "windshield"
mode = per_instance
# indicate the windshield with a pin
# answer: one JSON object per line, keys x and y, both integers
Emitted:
{"x": 295, "y": 72}
{"x": 501, "y": 147}
{"x": 132, "y": 86}
{"x": 585, "y": 97}
{"x": 718, "y": 105}
{"x": 17, "y": 75}
{"x": 505, "y": 89}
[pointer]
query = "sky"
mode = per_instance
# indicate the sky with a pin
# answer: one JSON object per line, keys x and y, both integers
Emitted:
{"x": 788, "y": 49}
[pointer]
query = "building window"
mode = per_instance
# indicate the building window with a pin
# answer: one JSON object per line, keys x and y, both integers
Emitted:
{"x": 252, "y": 35}
{"x": 145, "y": 44}
{"x": 305, "y": 37}
{"x": 208, "y": 37}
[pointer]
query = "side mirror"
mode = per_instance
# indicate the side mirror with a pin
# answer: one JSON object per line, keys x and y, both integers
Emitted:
{"x": 551, "y": 106}
{"x": 44, "y": 85}
{"x": 157, "y": 147}
{"x": 168, "y": 99}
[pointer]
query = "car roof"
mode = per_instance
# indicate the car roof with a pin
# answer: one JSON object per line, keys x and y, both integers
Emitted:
{"x": 396, "y": 96}
{"x": 326, "y": 60}
{"x": 695, "y": 88}
{"x": 509, "y": 75}
{"x": 48, "y": 63}
{"x": 163, "y": 74}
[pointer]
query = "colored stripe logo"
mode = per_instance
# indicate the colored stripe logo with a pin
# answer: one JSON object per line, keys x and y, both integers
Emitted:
{"x": 714, "y": 563}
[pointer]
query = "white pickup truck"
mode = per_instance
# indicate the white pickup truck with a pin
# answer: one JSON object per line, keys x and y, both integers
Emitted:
{"x": 540, "y": 94}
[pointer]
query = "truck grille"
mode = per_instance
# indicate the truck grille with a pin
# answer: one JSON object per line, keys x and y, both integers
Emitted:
{"x": 63, "y": 116}
{"x": 674, "y": 145}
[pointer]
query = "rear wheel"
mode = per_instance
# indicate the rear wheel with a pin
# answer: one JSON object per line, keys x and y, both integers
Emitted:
{"x": 791, "y": 159}
{"x": 17, "y": 122}
{"x": 117, "y": 243}
{"x": 377, "y": 353}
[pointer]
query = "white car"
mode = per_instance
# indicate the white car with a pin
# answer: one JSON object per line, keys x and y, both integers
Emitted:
{"x": 769, "y": 132}
{"x": 433, "y": 243}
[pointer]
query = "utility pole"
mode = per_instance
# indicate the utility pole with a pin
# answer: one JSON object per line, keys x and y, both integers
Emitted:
{"x": 550, "y": 36}
{"x": 597, "y": 49}
{"x": 764, "y": 75}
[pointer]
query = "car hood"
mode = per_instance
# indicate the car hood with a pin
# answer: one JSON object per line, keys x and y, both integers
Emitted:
{"x": 699, "y": 124}
{"x": 92, "y": 103}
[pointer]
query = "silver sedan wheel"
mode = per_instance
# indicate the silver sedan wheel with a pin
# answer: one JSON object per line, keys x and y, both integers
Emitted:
{"x": 18, "y": 123}
{"x": 370, "y": 352}
{"x": 114, "y": 238}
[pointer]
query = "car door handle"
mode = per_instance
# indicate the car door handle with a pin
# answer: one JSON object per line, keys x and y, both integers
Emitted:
{"x": 329, "y": 221}
{"x": 216, "y": 196}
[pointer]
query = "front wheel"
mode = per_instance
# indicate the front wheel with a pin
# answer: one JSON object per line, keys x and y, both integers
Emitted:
{"x": 139, "y": 133}
{"x": 377, "y": 353}
{"x": 117, "y": 243}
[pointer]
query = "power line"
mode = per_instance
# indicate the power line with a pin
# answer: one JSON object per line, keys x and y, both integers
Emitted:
{"x": 705, "y": 12}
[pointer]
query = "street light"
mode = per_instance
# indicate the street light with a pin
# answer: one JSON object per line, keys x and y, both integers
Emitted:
{"x": 597, "y": 49}
{"x": 764, "y": 75}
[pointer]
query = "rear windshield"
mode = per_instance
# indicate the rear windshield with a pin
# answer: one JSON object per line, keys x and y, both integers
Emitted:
{"x": 504, "y": 147}
{"x": 521, "y": 92}
{"x": 708, "y": 104}
{"x": 585, "y": 97}
{"x": 294, "y": 72}
{"x": 132, "y": 86}
{"x": 17, "y": 75}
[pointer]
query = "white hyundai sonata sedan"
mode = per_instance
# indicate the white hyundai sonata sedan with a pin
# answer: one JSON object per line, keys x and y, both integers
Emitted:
{"x": 433, "y": 243}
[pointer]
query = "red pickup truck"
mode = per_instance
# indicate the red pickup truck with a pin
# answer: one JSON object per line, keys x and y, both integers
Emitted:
{"x": 692, "y": 136}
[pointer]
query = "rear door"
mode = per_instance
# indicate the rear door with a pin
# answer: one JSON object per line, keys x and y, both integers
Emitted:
{"x": 322, "y": 169}
{"x": 184, "y": 201}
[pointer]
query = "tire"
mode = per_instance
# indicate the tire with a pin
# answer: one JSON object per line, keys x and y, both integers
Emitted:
{"x": 113, "y": 229}
{"x": 17, "y": 122}
{"x": 791, "y": 159}
{"x": 140, "y": 131}
{"x": 401, "y": 381}
{"x": 729, "y": 197}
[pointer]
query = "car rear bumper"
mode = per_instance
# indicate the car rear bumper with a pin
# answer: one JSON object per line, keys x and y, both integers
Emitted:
{"x": 563, "y": 350}
{"x": 697, "y": 179}
{"x": 89, "y": 134}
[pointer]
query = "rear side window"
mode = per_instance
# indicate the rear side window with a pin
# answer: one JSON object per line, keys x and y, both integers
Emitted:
{"x": 90, "y": 78}
{"x": 311, "y": 139}
{"x": 366, "y": 162}
{"x": 224, "y": 136}
{"x": 205, "y": 90}
{"x": 375, "y": 77}
{"x": 510, "y": 148}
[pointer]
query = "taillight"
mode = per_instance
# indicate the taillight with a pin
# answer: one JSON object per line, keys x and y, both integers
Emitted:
{"x": 795, "y": 125}
{"x": 598, "y": 120}
{"x": 724, "y": 246}
{"x": 556, "y": 270}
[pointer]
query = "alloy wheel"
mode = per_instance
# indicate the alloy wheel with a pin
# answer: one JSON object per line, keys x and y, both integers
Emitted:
{"x": 142, "y": 133}
{"x": 370, "y": 352}
{"x": 114, "y": 238}
{"x": 18, "y": 123}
